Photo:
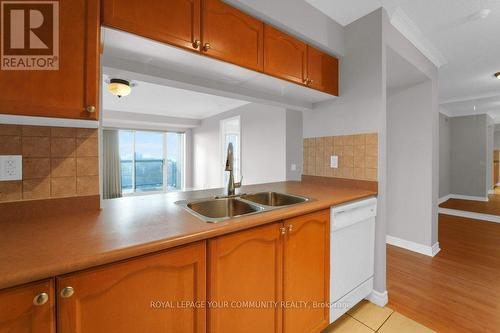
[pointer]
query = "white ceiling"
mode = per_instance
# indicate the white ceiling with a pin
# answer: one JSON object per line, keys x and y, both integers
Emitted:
{"x": 155, "y": 99}
{"x": 468, "y": 43}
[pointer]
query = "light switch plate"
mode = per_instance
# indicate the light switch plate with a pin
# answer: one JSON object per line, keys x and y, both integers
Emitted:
{"x": 11, "y": 167}
{"x": 334, "y": 161}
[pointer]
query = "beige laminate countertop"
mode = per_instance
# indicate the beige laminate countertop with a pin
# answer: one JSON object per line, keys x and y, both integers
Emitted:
{"x": 35, "y": 249}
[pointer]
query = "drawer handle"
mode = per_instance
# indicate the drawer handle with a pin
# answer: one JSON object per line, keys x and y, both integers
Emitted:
{"x": 41, "y": 299}
{"x": 206, "y": 47}
{"x": 196, "y": 44}
{"x": 67, "y": 292}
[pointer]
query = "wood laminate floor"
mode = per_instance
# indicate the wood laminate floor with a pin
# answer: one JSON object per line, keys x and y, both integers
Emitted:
{"x": 485, "y": 207}
{"x": 459, "y": 289}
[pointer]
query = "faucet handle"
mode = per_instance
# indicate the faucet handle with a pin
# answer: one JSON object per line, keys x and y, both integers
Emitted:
{"x": 238, "y": 184}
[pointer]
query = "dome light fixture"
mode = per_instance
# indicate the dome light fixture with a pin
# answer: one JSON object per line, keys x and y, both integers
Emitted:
{"x": 119, "y": 87}
{"x": 497, "y": 75}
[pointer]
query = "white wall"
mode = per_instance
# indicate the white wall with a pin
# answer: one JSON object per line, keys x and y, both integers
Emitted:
{"x": 444, "y": 156}
{"x": 263, "y": 146}
{"x": 490, "y": 132}
{"x": 294, "y": 145}
{"x": 409, "y": 163}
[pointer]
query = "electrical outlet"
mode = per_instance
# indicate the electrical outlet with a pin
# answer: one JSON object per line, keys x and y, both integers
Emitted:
{"x": 334, "y": 162}
{"x": 11, "y": 167}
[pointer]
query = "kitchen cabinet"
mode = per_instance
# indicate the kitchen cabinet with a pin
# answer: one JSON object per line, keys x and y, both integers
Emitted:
{"x": 306, "y": 272}
{"x": 230, "y": 35}
{"x": 153, "y": 293}
{"x": 284, "y": 56}
{"x": 322, "y": 71}
{"x": 175, "y": 22}
{"x": 243, "y": 267}
{"x": 28, "y": 309}
{"x": 287, "y": 261}
{"x": 71, "y": 91}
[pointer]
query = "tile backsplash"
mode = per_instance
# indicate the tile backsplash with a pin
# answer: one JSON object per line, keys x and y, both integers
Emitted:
{"x": 357, "y": 156}
{"x": 57, "y": 162}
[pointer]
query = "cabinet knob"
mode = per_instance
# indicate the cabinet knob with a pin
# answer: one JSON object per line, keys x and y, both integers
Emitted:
{"x": 310, "y": 81}
{"x": 305, "y": 81}
{"x": 283, "y": 230}
{"x": 206, "y": 47}
{"x": 40, "y": 299}
{"x": 196, "y": 44}
{"x": 90, "y": 109}
{"x": 67, "y": 292}
{"x": 290, "y": 227}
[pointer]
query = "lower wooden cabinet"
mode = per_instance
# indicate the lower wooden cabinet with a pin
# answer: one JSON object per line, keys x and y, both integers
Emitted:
{"x": 284, "y": 266}
{"x": 307, "y": 272}
{"x": 245, "y": 267}
{"x": 150, "y": 294}
{"x": 28, "y": 309}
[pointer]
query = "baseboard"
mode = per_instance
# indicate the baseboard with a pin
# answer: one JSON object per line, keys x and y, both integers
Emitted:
{"x": 430, "y": 251}
{"x": 470, "y": 215}
{"x": 462, "y": 197}
{"x": 378, "y": 298}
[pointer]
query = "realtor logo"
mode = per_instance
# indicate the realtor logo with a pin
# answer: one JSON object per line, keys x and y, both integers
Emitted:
{"x": 30, "y": 35}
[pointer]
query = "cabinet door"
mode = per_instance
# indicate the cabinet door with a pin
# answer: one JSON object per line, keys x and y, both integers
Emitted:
{"x": 231, "y": 35}
{"x": 26, "y": 310}
{"x": 246, "y": 266}
{"x": 174, "y": 22}
{"x": 68, "y": 91}
{"x": 149, "y": 294}
{"x": 307, "y": 272}
{"x": 323, "y": 71}
{"x": 284, "y": 56}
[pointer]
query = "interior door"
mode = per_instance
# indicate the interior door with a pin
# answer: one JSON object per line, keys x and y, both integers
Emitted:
{"x": 284, "y": 56}
{"x": 246, "y": 267}
{"x": 307, "y": 272}
{"x": 174, "y": 22}
{"x": 323, "y": 71}
{"x": 231, "y": 35}
{"x": 67, "y": 91}
{"x": 496, "y": 166}
{"x": 140, "y": 295}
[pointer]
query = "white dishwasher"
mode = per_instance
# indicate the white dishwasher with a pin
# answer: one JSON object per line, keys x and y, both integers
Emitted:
{"x": 352, "y": 246}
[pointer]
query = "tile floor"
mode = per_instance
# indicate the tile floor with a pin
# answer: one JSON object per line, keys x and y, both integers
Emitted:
{"x": 366, "y": 317}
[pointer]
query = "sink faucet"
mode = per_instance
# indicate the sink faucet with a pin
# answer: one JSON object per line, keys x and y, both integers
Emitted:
{"x": 231, "y": 186}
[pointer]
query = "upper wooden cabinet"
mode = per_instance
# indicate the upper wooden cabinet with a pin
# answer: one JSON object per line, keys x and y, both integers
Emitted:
{"x": 28, "y": 309}
{"x": 231, "y": 35}
{"x": 284, "y": 56}
{"x": 306, "y": 272}
{"x": 246, "y": 266}
{"x": 140, "y": 295}
{"x": 322, "y": 71}
{"x": 174, "y": 22}
{"x": 66, "y": 92}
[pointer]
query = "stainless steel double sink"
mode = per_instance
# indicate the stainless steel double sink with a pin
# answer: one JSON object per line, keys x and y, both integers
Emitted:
{"x": 224, "y": 208}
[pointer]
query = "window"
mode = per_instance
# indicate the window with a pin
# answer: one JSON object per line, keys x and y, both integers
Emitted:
{"x": 230, "y": 133}
{"x": 151, "y": 161}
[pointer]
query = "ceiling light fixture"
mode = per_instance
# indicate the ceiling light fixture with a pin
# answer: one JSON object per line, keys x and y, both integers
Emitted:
{"x": 119, "y": 87}
{"x": 497, "y": 75}
{"x": 480, "y": 15}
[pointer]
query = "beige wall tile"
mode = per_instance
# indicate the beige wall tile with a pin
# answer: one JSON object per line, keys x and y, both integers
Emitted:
{"x": 63, "y": 167}
{"x": 348, "y": 151}
{"x": 371, "y": 162}
{"x": 370, "y": 174}
{"x": 36, "y": 146}
{"x": 338, "y": 150}
{"x": 359, "y": 161}
{"x": 10, "y": 145}
{"x": 86, "y": 133}
{"x": 87, "y": 166}
{"x": 63, "y": 132}
{"x": 372, "y": 139}
{"x": 6, "y": 129}
{"x": 36, "y": 188}
{"x": 36, "y": 131}
{"x": 348, "y": 140}
{"x": 63, "y": 187}
{"x": 86, "y": 147}
{"x": 11, "y": 190}
{"x": 347, "y": 173}
{"x": 62, "y": 147}
{"x": 338, "y": 140}
{"x": 36, "y": 167}
{"x": 359, "y": 139}
{"x": 347, "y": 162}
{"x": 360, "y": 150}
{"x": 372, "y": 150}
{"x": 87, "y": 185}
{"x": 359, "y": 173}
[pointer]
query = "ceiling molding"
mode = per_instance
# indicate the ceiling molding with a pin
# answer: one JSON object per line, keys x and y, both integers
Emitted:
{"x": 469, "y": 98}
{"x": 409, "y": 29}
